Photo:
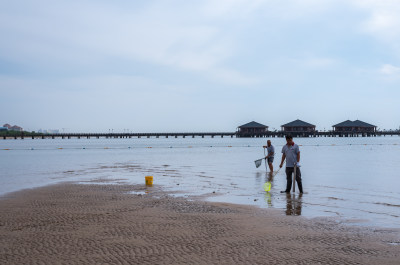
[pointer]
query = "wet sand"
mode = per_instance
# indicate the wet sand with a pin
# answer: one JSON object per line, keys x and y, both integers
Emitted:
{"x": 102, "y": 224}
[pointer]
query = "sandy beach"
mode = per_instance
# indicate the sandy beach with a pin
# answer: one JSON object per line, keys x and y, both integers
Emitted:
{"x": 105, "y": 224}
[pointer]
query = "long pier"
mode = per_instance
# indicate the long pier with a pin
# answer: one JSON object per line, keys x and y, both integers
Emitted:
{"x": 201, "y": 134}
{"x": 125, "y": 135}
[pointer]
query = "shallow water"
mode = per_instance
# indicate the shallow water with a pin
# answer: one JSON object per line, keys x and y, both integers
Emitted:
{"x": 355, "y": 180}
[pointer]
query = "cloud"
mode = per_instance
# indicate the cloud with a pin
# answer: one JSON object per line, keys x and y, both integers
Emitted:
{"x": 200, "y": 38}
{"x": 320, "y": 62}
{"x": 388, "y": 69}
{"x": 174, "y": 56}
{"x": 383, "y": 21}
{"x": 159, "y": 33}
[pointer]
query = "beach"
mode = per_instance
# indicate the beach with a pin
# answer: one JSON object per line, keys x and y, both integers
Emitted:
{"x": 71, "y": 223}
{"x": 354, "y": 180}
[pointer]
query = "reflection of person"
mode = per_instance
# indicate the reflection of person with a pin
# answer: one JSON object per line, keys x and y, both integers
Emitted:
{"x": 291, "y": 153}
{"x": 268, "y": 199}
{"x": 293, "y": 205}
{"x": 270, "y": 156}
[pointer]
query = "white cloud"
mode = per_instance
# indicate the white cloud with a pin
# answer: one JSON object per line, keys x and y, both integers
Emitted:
{"x": 200, "y": 38}
{"x": 388, "y": 69}
{"x": 159, "y": 34}
{"x": 316, "y": 62}
{"x": 383, "y": 21}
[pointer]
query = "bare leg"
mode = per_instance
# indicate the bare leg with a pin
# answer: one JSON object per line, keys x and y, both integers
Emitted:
{"x": 271, "y": 167}
{"x": 270, "y": 176}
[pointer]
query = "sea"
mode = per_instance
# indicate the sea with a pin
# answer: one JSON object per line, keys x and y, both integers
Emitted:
{"x": 354, "y": 180}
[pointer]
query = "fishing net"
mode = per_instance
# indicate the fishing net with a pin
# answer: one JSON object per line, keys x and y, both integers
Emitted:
{"x": 258, "y": 162}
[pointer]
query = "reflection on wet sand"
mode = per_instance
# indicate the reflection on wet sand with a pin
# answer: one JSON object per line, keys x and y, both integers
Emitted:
{"x": 269, "y": 177}
{"x": 259, "y": 178}
{"x": 293, "y": 204}
{"x": 268, "y": 200}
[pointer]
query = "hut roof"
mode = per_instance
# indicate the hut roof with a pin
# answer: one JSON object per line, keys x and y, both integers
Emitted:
{"x": 362, "y": 124}
{"x": 347, "y": 123}
{"x": 298, "y": 123}
{"x": 253, "y": 124}
{"x": 356, "y": 123}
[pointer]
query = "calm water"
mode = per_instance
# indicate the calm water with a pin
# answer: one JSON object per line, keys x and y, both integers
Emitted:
{"x": 356, "y": 180}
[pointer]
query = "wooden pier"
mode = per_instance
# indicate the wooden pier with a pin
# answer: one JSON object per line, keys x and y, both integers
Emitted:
{"x": 124, "y": 135}
{"x": 266, "y": 134}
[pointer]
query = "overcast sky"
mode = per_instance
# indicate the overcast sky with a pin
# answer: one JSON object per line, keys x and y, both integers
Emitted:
{"x": 158, "y": 66}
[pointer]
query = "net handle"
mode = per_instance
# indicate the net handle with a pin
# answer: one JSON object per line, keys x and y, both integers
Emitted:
{"x": 266, "y": 165}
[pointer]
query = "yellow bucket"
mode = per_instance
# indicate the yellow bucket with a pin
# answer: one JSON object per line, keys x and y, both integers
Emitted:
{"x": 149, "y": 180}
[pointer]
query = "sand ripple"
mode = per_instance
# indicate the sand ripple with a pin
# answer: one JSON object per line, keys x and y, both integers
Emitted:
{"x": 102, "y": 224}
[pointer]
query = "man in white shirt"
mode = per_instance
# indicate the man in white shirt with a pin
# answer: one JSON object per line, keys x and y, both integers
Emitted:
{"x": 291, "y": 153}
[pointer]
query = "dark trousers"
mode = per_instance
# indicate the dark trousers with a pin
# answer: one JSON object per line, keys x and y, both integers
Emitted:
{"x": 289, "y": 177}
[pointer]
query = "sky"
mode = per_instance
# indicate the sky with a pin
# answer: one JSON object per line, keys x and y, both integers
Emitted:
{"x": 198, "y": 66}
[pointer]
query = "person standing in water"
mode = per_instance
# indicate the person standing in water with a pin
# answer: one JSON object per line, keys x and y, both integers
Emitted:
{"x": 270, "y": 157}
{"x": 291, "y": 153}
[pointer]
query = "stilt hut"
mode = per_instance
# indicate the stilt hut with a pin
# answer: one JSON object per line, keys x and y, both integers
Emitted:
{"x": 252, "y": 129}
{"x": 298, "y": 126}
{"x": 356, "y": 126}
